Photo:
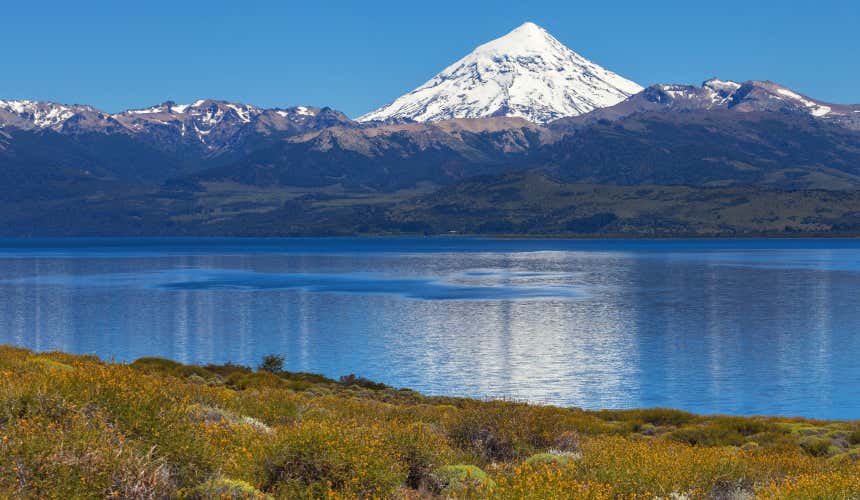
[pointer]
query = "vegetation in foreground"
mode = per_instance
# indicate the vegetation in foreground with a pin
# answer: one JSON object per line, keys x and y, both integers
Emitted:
{"x": 75, "y": 427}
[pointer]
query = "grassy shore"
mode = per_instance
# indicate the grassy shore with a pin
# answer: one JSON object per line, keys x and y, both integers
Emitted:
{"x": 78, "y": 427}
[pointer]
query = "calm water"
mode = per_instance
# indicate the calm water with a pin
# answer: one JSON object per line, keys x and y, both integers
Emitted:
{"x": 741, "y": 327}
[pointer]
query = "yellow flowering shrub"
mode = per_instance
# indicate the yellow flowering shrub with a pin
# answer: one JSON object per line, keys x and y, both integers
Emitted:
{"x": 78, "y": 427}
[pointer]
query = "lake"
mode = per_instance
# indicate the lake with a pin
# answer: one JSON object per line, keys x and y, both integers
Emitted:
{"x": 711, "y": 326}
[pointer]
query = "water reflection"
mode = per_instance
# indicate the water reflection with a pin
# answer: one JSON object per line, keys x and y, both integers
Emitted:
{"x": 752, "y": 328}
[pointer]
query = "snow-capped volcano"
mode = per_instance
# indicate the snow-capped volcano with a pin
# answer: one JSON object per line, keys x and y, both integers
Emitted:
{"x": 526, "y": 73}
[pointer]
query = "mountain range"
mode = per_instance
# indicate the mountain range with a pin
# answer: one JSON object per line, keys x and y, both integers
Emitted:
{"x": 491, "y": 144}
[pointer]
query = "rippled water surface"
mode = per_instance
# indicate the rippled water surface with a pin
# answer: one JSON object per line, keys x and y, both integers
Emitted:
{"x": 728, "y": 326}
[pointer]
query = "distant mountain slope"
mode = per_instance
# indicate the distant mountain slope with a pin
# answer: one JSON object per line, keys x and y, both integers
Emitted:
{"x": 694, "y": 146}
{"x": 47, "y": 165}
{"x": 532, "y": 203}
{"x": 210, "y": 128}
{"x": 710, "y": 148}
{"x": 388, "y": 157}
{"x": 750, "y": 96}
{"x": 526, "y": 73}
{"x": 50, "y": 150}
{"x": 519, "y": 203}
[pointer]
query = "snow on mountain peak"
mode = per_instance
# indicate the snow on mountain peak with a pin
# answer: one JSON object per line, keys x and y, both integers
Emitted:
{"x": 718, "y": 85}
{"x": 526, "y": 73}
{"x": 525, "y": 39}
{"x": 38, "y": 114}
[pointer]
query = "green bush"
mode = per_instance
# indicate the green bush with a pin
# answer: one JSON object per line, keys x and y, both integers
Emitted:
{"x": 272, "y": 364}
{"x": 707, "y": 435}
{"x": 552, "y": 458}
{"x": 163, "y": 366}
{"x": 313, "y": 459}
{"x": 311, "y": 378}
{"x": 226, "y": 369}
{"x": 40, "y": 362}
{"x": 815, "y": 446}
{"x": 653, "y": 416}
{"x": 226, "y": 489}
{"x": 50, "y": 407}
{"x": 472, "y": 433}
{"x": 452, "y": 479}
{"x": 352, "y": 379}
{"x": 422, "y": 449}
{"x": 255, "y": 380}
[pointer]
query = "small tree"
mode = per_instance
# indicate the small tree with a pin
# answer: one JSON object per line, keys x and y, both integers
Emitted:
{"x": 272, "y": 364}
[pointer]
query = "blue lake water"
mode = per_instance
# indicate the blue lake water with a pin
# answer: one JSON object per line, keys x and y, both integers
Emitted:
{"x": 725, "y": 326}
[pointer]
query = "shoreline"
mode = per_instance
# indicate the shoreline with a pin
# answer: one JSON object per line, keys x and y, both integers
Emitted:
{"x": 475, "y": 236}
{"x": 319, "y": 377}
{"x": 439, "y": 237}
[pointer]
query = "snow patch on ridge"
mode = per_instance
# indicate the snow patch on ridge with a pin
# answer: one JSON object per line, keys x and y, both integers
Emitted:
{"x": 147, "y": 111}
{"x": 724, "y": 85}
{"x": 814, "y": 108}
{"x": 42, "y": 114}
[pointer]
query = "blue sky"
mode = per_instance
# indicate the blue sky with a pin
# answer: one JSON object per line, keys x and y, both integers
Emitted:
{"x": 355, "y": 56}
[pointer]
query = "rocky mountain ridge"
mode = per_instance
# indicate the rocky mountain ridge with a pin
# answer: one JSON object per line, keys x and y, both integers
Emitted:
{"x": 715, "y": 94}
{"x": 208, "y": 126}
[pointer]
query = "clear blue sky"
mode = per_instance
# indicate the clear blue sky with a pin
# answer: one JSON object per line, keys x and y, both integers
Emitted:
{"x": 355, "y": 56}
